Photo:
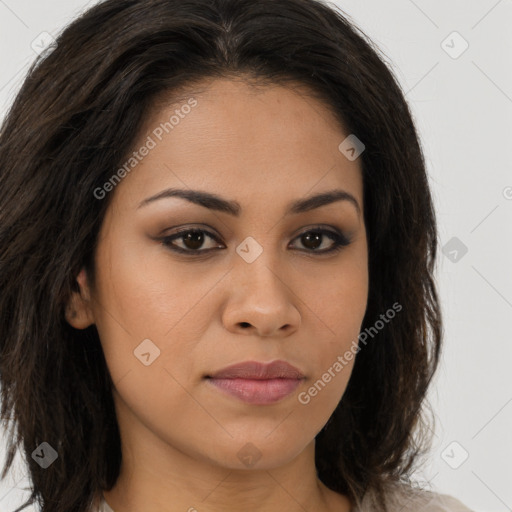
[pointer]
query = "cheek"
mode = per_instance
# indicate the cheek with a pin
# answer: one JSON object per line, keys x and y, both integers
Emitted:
{"x": 148, "y": 304}
{"x": 340, "y": 308}
{"x": 334, "y": 353}
{"x": 338, "y": 298}
{"x": 139, "y": 288}
{"x": 149, "y": 329}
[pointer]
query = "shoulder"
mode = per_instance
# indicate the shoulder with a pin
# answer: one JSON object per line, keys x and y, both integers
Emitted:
{"x": 406, "y": 498}
{"x": 100, "y": 505}
{"x": 428, "y": 501}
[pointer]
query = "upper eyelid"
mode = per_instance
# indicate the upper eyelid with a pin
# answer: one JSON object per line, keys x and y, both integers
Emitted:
{"x": 340, "y": 234}
{"x": 208, "y": 230}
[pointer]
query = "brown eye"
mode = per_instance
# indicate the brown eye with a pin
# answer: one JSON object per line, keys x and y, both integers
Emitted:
{"x": 192, "y": 239}
{"x": 314, "y": 238}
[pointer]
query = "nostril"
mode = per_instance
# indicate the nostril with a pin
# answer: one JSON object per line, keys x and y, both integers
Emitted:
{"x": 245, "y": 324}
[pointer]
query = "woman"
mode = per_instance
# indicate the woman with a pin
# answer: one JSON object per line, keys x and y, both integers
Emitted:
{"x": 217, "y": 255}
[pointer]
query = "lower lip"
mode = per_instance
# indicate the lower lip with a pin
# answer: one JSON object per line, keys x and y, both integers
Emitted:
{"x": 254, "y": 391}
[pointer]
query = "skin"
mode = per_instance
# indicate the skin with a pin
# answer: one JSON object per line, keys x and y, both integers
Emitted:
{"x": 180, "y": 435}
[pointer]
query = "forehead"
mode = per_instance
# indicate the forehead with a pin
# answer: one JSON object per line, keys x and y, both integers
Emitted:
{"x": 232, "y": 138}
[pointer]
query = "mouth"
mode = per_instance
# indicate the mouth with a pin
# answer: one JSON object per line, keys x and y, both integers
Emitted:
{"x": 257, "y": 383}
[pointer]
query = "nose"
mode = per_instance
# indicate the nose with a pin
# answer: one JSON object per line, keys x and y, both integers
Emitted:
{"x": 261, "y": 300}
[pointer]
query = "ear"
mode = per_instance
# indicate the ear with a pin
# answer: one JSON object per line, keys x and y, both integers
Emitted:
{"x": 78, "y": 310}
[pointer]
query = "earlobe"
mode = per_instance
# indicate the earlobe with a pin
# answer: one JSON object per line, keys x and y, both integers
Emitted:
{"x": 78, "y": 310}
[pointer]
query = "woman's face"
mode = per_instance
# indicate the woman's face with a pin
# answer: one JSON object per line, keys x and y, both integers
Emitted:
{"x": 257, "y": 282}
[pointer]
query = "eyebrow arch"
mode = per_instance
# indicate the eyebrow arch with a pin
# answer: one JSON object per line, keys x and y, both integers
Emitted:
{"x": 215, "y": 202}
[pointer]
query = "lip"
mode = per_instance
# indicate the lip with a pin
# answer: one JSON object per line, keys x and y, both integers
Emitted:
{"x": 258, "y": 383}
{"x": 258, "y": 371}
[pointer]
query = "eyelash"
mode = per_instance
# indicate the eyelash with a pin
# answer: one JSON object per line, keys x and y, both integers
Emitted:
{"x": 340, "y": 241}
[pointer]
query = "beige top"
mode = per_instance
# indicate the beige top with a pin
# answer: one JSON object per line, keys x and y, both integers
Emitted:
{"x": 401, "y": 499}
{"x": 404, "y": 498}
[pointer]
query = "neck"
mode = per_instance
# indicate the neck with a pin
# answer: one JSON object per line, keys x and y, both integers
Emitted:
{"x": 203, "y": 487}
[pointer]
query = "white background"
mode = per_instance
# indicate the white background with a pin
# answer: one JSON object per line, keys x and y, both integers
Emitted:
{"x": 463, "y": 110}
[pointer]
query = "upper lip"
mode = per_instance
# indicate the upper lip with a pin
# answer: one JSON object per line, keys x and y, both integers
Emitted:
{"x": 259, "y": 371}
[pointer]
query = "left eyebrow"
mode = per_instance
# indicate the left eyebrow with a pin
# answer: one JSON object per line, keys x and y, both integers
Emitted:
{"x": 215, "y": 202}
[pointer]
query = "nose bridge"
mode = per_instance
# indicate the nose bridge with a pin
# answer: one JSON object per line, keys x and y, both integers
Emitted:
{"x": 257, "y": 265}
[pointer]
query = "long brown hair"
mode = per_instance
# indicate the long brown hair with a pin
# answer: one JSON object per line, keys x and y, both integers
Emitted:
{"x": 75, "y": 118}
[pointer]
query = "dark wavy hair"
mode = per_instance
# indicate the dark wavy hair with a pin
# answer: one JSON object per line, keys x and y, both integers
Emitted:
{"x": 74, "y": 120}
